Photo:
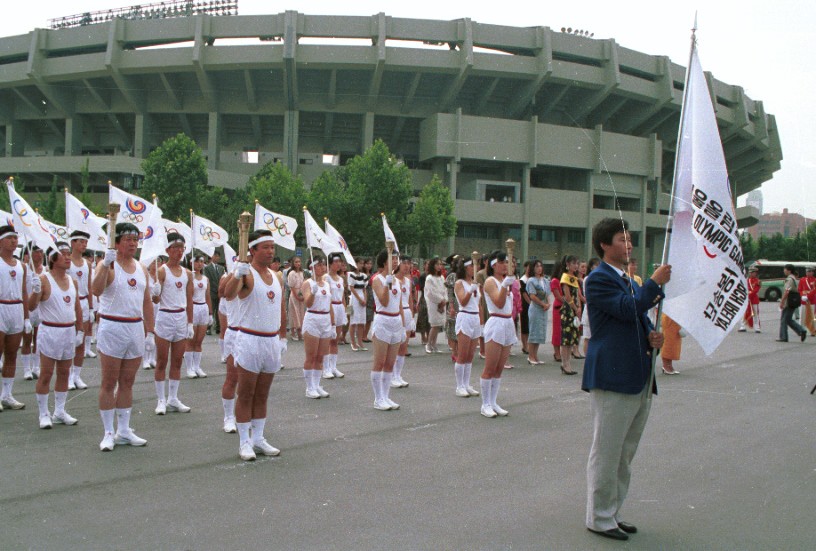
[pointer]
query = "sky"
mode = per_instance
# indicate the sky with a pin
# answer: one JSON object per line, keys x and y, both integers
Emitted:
{"x": 765, "y": 47}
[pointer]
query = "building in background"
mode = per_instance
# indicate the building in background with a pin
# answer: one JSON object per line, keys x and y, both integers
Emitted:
{"x": 755, "y": 200}
{"x": 786, "y": 223}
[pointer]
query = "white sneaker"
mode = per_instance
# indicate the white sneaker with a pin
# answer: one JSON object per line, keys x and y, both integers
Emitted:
{"x": 79, "y": 383}
{"x": 310, "y": 393}
{"x": 10, "y": 402}
{"x": 246, "y": 452}
{"x": 200, "y": 372}
{"x": 27, "y": 374}
{"x": 146, "y": 365}
{"x": 337, "y": 373}
{"x": 45, "y": 421}
{"x": 152, "y": 364}
{"x": 63, "y": 418}
{"x": 265, "y": 448}
{"x": 174, "y": 404}
{"x": 161, "y": 407}
{"x": 392, "y": 404}
{"x": 322, "y": 392}
{"x": 223, "y": 359}
{"x": 90, "y": 353}
{"x": 35, "y": 370}
{"x": 472, "y": 391}
{"x": 229, "y": 425}
{"x": 93, "y": 340}
{"x": 462, "y": 392}
{"x": 403, "y": 383}
{"x": 129, "y": 438}
{"x": 191, "y": 374}
{"x": 428, "y": 349}
{"x": 487, "y": 411}
{"x": 381, "y": 405}
{"x": 327, "y": 374}
{"x": 395, "y": 383}
{"x": 501, "y": 412}
{"x": 107, "y": 443}
{"x": 71, "y": 383}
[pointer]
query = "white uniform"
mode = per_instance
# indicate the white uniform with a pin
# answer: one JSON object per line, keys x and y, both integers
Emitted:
{"x": 121, "y": 331}
{"x": 337, "y": 292}
{"x": 171, "y": 321}
{"x": 81, "y": 274}
{"x": 387, "y": 325}
{"x": 232, "y": 309}
{"x": 201, "y": 314}
{"x": 257, "y": 347}
{"x": 57, "y": 333}
{"x": 358, "y": 282}
{"x": 33, "y": 315}
{"x": 467, "y": 320}
{"x": 500, "y": 327}
{"x": 11, "y": 298}
{"x": 317, "y": 320}
{"x": 405, "y": 299}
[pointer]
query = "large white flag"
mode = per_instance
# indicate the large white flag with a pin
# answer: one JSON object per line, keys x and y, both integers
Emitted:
{"x": 154, "y": 238}
{"x": 79, "y": 217}
{"x": 30, "y": 225}
{"x": 60, "y": 233}
{"x": 282, "y": 227}
{"x": 207, "y": 235}
{"x": 132, "y": 208}
{"x": 389, "y": 235}
{"x": 315, "y": 237}
{"x": 334, "y": 234}
{"x": 230, "y": 257}
{"x": 183, "y": 229}
{"x": 6, "y": 218}
{"x": 707, "y": 294}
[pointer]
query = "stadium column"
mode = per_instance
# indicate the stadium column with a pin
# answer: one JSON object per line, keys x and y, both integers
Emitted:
{"x": 453, "y": 171}
{"x": 525, "y": 213}
{"x": 214, "y": 141}
{"x": 15, "y": 138}
{"x": 291, "y": 122}
{"x": 368, "y": 131}
{"x": 141, "y": 146}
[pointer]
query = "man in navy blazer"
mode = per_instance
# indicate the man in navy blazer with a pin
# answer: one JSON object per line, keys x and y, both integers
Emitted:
{"x": 616, "y": 373}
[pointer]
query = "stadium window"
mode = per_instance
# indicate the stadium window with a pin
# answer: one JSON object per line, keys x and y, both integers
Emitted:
{"x": 477, "y": 232}
{"x": 559, "y": 177}
{"x": 329, "y": 159}
{"x": 576, "y": 236}
{"x": 306, "y": 161}
{"x": 514, "y": 233}
{"x": 250, "y": 157}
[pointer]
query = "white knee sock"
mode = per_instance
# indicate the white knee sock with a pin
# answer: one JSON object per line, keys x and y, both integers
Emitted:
{"x": 107, "y": 419}
{"x": 188, "y": 361}
{"x": 197, "y": 359}
{"x": 229, "y": 407}
{"x": 42, "y": 403}
{"x": 376, "y": 384}
{"x": 8, "y": 384}
{"x": 387, "y": 376}
{"x": 122, "y": 420}
{"x": 460, "y": 375}
{"x": 243, "y": 432}
{"x": 316, "y": 378}
{"x": 486, "y": 385}
{"x": 327, "y": 363}
{"x": 466, "y": 374}
{"x": 172, "y": 387}
{"x": 160, "y": 390}
{"x": 398, "y": 367}
{"x": 59, "y": 401}
{"x": 494, "y": 390}
{"x": 307, "y": 376}
{"x": 257, "y": 429}
{"x": 221, "y": 346}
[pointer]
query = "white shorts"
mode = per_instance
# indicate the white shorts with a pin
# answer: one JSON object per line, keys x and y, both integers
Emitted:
{"x": 358, "y": 312}
{"x": 11, "y": 319}
{"x": 340, "y": 318}
{"x": 230, "y": 336}
{"x": 171, "y": 326}
{"x": 318, "y": 325}
{"x": 86, "y": 309}
{"x": 468, "y": 325}
{"x": 34, "y": 317}
{"x": 124, "y": 340}
{"x": 257, "y": 354}
{"x": 585, "y": 323}
{"x": 56, "y": 343}
{"x": 222, "y": 306}
{"x": 407, "y": 319}
{"x": 201, "y": 314}
{"x": 500, "y": 330}
{"x": 388, "y": 329}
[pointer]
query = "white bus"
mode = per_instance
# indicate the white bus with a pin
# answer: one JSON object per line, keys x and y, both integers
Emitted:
{"x": 772, "y": 276}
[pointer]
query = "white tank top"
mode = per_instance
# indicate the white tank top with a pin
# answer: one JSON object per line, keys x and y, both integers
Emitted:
{"x": 336, "y": 290}
{"x": 59, "y": 306}
{"x": 174, "y": 290}
{"x": 124, "y": 297}
{"x": 404, "y": 293}
{"x": 200, "y": 289}
{"x": 394, "y": 301}
{"x": 80, "y": 275}
{"x": 492, "y": 308}
{"x": 323, "y": 298}
{"x": 232, "y": 309}
{"x": 473, "y": 303}
{"x": 261, "y": 309}
{"x": 11, "y": 281}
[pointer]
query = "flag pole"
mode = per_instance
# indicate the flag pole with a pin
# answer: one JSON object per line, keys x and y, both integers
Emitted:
{"x": 670, "y": 219}
{"x": 311, "y": 255}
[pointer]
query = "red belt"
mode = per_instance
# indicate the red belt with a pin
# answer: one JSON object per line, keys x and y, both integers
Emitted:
{"x": 119, "y": 319}
{"x": 476, "y": 313}
{"x": 200, "y": 303}
{"x": 11, "y": 301}
{"x": 51, "y": 324}
{"x": 500, "y": 316}
{"x": 257, "y": 333}
{"x": 83, "y": 298}
{"x": 387, "y": 314}
{"x": 336, "y": 302}
{"x": 316, "y": 312}
{"x": 174, "y": 311}
{"x": 232, "y": 329}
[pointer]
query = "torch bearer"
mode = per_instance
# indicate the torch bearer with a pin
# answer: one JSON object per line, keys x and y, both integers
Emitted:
{"x": 113, "y": 214}
{"x": 244, "y": 221}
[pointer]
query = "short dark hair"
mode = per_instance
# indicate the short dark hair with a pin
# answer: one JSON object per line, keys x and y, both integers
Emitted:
{"x": 605, "y": 230}
{"x": 81, "y": 234}
{"x": 791, "y": 268}
{"x": 382, "y": 259}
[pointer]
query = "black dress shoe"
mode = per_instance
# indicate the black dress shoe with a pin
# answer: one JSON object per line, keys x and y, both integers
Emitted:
{"x": 781, "y": 340}
{"x": 803, "y": 336}
{"x": 613, "y": 533}
{"x": 626, "y": 527}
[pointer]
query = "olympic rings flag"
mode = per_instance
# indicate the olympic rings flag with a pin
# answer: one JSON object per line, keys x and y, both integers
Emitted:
{"x": 79, "y": 217}
{"x": 6, "y": 218}
{"x": 27, "y": 222}
{"x": 334, "y": 234}
{"x": 282, "y": 227}
{"x": 133, "y": 208}
{"x": 389, "y": 235}
{"x": 154, "y": 238}
{"x": 207, "y": 235}
{"x": 182, "y": 229}
{"x": 315, "y": 237}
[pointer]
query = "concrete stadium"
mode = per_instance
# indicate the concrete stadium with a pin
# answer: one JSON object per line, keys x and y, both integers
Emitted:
{"x": 538, "y": 133}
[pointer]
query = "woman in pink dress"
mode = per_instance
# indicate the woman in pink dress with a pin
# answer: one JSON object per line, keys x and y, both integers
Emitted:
{"x": 296, "y": 306}
{"x": 555, "y": 287}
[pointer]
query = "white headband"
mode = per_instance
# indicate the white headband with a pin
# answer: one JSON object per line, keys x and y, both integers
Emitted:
{"x": 174, "y": 241}
{"x": 74, "y": 238}
{"x": 493, "y": 262}
{"x": 8, "y": 233}
{"x": 468, "y": 262}
{"x": 260, "y": 240}
{"x": 123, "y": 233}
{"x": 315, "y": 262}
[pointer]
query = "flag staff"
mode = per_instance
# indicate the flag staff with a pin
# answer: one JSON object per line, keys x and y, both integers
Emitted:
{"x": 308, "y": 246}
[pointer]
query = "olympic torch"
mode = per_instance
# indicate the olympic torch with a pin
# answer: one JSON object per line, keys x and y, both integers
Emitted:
{"x": 474, "y": 259}
{"x": 389, "y": 246}
{"x": 511, "y": 248}
{"x": 244, "y": 221}
{"x": 113, "y": 214}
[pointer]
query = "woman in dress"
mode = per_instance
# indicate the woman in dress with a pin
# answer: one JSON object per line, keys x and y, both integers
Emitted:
{"x": 422, "y": 325}
{"x": 387, "y": 331}
{"x": 570, "y": 311}
{"x": 357, "y": 284}
{"x": 555, "y": 290}
{"x": 318, "y": 326}
{"x": 202, "y": 315}
{"x": 436, "y": 300}
{"x": 524, "y": 319}
{"x": 468, "y": 327}
{"x": 296, "y": 306}
{"x": 538, "y": 289}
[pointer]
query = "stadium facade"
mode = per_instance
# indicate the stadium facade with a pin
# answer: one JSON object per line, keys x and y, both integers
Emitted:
{"x": 537, "y": 133}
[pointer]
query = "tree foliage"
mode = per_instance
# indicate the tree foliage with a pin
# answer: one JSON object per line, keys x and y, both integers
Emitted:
{"x": 53, "y": 206}
{"x": 777, "y": 247}
{"x": 432, "y": 219}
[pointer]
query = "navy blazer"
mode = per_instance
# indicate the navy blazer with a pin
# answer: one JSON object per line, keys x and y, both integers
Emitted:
{"x": 619, "y": 355}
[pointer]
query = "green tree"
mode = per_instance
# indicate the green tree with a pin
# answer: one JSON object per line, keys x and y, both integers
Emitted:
{"x": 53, "y": 206}
{"x": 328, "y": 198}
{"x": 432, "y": 219}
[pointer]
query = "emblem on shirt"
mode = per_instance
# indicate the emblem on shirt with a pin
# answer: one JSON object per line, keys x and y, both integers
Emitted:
{"x": 79, "y": 273}
{"x": 323, "y": 291}
{"x": 13, "y": 274}
{"x": 474, "y": 292}
{"x": 200, "y": 285}
{"x": 271, "y": 295}
{"x": 393, "y": 292}
{"x": 67, "y": 299}
{"x": 338, "y": 285}
{"x": 132, "y": 282}
{"x": 178, "y": 284}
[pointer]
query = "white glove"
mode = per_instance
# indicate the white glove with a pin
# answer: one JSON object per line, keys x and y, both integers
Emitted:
{"x": 156, "y": 289}
{"x": 150, "y": 342}
{"x": 241, "y": 269}
{"x": 110, "y": 257}
{"x": 190, "y": 330}
{"x": 313, "y": 287}
{"x": 284, "y": 346}
{"x": 804, "y": 298}
{"x": 211, "y": 322}
{"x": 36, "y": 285}
{"x": 80, "y": 338}
{"x": 508, "y": 282}
{"x": 389, "y": 279}
{"x": 28, "y": 328}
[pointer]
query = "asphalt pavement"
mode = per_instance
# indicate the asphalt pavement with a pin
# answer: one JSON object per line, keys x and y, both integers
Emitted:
{"x": 728, "y": 461}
